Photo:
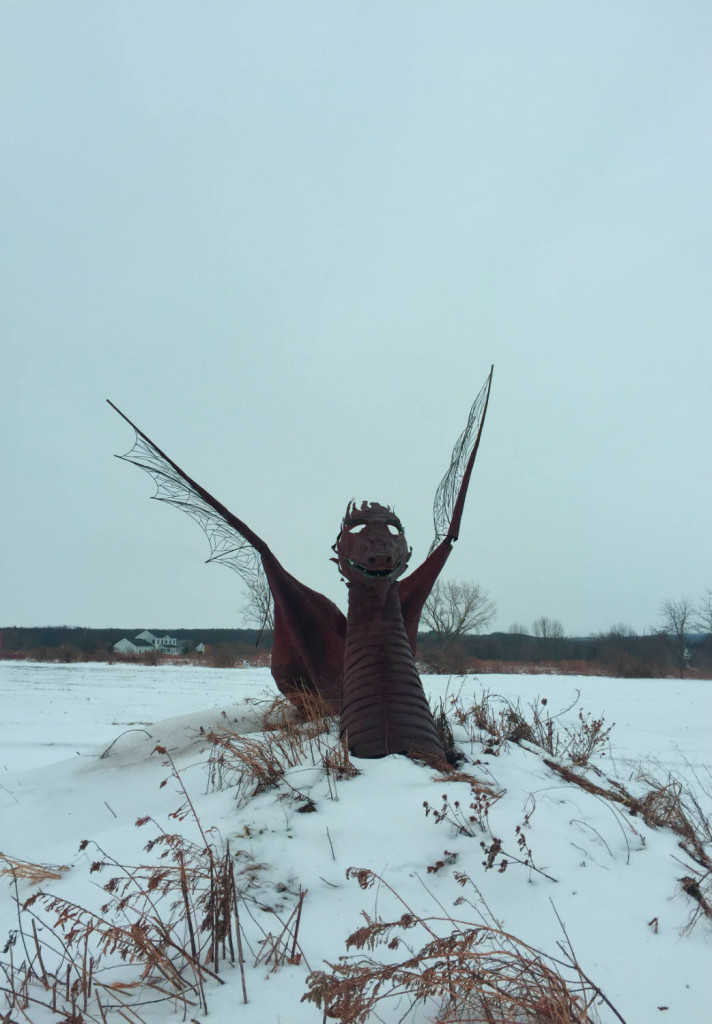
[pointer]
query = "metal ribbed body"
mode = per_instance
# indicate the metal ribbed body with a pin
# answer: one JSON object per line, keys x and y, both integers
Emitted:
{"x": 384, "y": 709}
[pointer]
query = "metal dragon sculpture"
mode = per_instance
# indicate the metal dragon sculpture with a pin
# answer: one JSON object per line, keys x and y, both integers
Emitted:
{"x": 362, "y": 665}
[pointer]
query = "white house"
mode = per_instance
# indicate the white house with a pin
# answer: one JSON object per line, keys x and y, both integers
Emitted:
{"x": 162, "y": 644}
{"x": 126, "y": 646}
{"x": 145, "y": 642}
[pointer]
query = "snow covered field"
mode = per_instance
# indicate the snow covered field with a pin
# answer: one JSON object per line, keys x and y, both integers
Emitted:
{"x": 612, "y": 880}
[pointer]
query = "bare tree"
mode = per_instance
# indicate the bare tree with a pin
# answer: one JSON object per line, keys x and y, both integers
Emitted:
{"x": 618, "y": 631}
{"x": 703, "y": 614}
{"x": 675, "y": 624}
{"x": 455, "y": 608}
{"x": 546, "y": 627}
{"x": 518, "y": 628}
{"x": 258, "y": 606}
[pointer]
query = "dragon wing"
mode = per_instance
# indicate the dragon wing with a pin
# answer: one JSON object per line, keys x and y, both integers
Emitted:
{"x": 452, "y": 489}
{"x": 309, "y": 630}
{"x": 447, "y": 513}
{"x": 231, "y": 541}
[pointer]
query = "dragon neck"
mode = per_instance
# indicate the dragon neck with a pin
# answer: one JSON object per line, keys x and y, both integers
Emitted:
{"x": 384, "y": 709}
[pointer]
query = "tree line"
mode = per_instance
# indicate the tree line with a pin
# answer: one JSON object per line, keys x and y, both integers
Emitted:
{"x": 457, "y": 613}
{"x": 96, "y": 644}
{"x": 453, "y": 641}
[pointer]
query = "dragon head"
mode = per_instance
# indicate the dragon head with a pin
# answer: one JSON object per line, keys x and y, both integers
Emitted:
{"x": 371, "y": 548}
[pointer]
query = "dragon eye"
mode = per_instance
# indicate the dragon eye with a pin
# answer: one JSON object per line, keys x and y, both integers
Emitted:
{"x": 393, "y": 530}
{"x": 357, "y": 528}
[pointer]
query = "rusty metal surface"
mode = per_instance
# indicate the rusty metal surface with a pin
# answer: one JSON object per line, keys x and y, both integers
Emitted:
{"x": 383, "y": 707}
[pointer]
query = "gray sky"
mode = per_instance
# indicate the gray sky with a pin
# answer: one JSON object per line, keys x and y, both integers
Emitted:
{"x": 288, "y": 240}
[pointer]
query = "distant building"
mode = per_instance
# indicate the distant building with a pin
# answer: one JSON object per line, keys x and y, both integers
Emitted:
{"x": 147, "y": 642}
{"x": 161, "y": 644}
{"x": 126, "y": 646}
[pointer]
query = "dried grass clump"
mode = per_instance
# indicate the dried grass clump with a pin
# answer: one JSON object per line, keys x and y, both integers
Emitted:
{"x": 466, "y": 972}
{"x": 164, "y": 929}
{"x": 291, "y": 737}
{"x": 27, "y": 871}
{"x": 670, "y": 803}
{"x": 495, "y": 721}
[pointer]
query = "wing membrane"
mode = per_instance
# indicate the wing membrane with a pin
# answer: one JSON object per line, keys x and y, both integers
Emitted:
{"x": 450, "y": 495}
{"x": 231, "y": 542}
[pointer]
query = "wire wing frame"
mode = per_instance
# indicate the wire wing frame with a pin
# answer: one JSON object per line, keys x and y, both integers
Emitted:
{"x": 227, "y": 546}
{"x": 461, "y": 463}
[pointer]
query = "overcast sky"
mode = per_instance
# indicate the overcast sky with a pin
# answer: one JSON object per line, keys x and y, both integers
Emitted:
{"x": 289, "y": 239}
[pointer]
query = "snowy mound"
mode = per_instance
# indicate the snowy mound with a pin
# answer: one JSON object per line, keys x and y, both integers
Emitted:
{"x": 539, "y": 850}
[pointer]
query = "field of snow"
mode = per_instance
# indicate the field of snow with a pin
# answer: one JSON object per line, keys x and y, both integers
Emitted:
{"x": 612, "y": 880}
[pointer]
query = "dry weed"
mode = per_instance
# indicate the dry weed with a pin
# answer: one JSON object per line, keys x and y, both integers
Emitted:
{"x": 291, "y": 737}
{"x": 464, "y": 972}
{"x": 671, "y": 803}
{"x": 668, "y": 803}
{"x": 27, "y": 871}
{"x": 175, "y": 922}
{"x": 495, "y": 721}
